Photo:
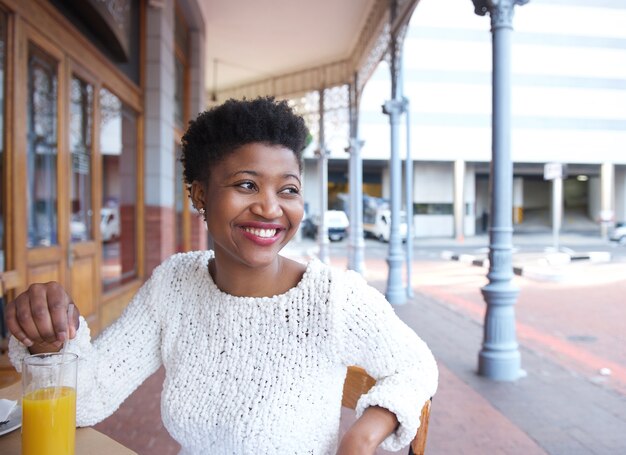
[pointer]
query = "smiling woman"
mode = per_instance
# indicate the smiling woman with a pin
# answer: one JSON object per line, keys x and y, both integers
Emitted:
{"x": 255, "y": 345}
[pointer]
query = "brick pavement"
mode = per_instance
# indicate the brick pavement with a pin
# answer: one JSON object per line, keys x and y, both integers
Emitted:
{"x": 563, "y": 412}
{"x": 561, "y": 407}
{"x": 137, "y": 423}
{"x": 577, "y": 323}
{"x": 560, "y": 404}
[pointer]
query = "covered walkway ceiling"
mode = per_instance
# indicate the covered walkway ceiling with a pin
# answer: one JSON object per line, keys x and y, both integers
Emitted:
{"x": 284, "y": 47}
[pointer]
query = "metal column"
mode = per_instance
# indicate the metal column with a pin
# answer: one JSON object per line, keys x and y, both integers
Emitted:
{"x": 607, "y": 198}
{"x": 396, "y": 293}
{"x": 459, "y": 200}
{"x": 557, "y": 211}
{"x": 499, "y": 358}
{"x": 408, "y": 175}
{"x": 356, "y": 246}
{"x": 322, "y": 171}
{"x": 395, "y": 289}
{"x": 394, "y": 108}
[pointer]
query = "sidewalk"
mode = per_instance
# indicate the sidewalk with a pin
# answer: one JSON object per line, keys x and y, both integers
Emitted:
{"x": 562, "y": 406}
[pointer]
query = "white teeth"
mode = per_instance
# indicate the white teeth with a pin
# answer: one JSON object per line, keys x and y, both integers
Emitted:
{"x": 265, "y": 233}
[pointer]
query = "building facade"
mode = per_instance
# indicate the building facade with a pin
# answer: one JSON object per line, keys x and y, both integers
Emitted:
{"x": 94, "y": 96}
{"x": 569, "y": 107}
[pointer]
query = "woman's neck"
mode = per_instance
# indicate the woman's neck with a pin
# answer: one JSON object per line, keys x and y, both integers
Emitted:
{"x": 243, "y": 281}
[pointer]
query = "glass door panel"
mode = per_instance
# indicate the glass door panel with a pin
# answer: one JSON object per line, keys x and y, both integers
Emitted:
{"x": 118, "y": 148}
{"x": 83, "y": 255}
{"x": 41, "y": 187}
{"x": 81, "y": 125}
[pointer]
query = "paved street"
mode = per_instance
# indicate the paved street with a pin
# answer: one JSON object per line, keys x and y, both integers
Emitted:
{"x": 571, "y": 334}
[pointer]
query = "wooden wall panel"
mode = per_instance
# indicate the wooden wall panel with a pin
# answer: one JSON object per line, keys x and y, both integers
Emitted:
{"x": 43, "y": 273}
{"x": 82, "y": 275}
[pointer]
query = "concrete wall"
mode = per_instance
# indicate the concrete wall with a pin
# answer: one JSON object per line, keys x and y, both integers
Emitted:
{"x": 433, "y": 225}
{"x": 434, "y": 182}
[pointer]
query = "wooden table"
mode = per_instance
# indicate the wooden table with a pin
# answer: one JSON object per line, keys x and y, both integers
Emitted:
{"x": 88, "y": 440}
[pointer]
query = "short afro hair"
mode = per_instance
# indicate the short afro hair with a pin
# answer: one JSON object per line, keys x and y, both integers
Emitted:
{"x": 218, "y": 131}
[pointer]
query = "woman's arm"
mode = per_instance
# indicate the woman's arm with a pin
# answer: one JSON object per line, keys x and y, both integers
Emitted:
{"x": 368, "y": 432}
{"x": 110, "y": 367}
{"x": 374, "y": 338}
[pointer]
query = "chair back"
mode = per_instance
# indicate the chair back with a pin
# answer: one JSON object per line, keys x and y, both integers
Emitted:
{"x": 359, "y": 382}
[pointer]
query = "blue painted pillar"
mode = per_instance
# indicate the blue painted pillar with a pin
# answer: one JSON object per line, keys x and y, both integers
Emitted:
{"x": 394, "y": 108}
{"x": 356, "y": 245}
{"x": 396, "y": 294}
{"x": 408, "y": 175}
{"x": 499, "y": 358}
{"x": 322, "y": 171}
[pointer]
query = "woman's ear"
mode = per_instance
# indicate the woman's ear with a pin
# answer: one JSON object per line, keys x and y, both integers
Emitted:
{"x": 197, "y": 195}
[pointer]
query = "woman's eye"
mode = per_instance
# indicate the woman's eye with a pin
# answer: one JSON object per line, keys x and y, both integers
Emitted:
{"x": 246, "y": 185}
{"x": 291, "y": 190}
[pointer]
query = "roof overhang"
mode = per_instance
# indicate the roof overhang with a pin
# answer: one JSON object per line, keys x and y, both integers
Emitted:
{"x": 289, "y": 47}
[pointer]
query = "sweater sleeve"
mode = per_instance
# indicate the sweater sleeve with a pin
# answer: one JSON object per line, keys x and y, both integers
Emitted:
{"x": 375, "y": 339}
{"x": 112, "y": 366}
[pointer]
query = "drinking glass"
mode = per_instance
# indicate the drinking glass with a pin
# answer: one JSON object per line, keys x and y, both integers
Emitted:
{"x": 49, "y": 404}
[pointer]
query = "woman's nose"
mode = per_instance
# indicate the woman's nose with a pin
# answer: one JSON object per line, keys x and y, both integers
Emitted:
{"x": 267, "y": 206}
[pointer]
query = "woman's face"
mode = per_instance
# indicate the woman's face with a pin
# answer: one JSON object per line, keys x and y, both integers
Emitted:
{"x": 253, "y": 203}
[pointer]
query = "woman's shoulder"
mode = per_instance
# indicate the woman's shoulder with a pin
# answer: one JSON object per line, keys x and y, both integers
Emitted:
{"x": 341, "y": 283}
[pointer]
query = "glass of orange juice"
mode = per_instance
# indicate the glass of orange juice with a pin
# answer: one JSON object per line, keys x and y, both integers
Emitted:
{"x": 49, "y": 404}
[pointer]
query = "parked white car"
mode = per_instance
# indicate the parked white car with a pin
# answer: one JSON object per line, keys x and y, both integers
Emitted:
{"x": 110, "y": 224}
{"x": 336, "y": 221}
{"x": 618, "y": 234}
{"x": 379, "y": 226}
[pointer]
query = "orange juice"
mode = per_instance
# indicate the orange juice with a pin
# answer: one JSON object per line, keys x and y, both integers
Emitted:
{"x": 49, "y": 421}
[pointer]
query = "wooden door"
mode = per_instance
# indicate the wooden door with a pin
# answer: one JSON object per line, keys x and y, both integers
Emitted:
{"x": 41, "y": 82}
{"x": 60, "y": 197}
{"x": 83, "y": 259}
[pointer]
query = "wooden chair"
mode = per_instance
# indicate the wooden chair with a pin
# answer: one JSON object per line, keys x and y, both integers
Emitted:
{"x": 359, "y": 382}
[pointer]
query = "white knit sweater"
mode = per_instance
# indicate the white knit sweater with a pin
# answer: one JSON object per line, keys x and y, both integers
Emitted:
{"x": 253, "y": 375}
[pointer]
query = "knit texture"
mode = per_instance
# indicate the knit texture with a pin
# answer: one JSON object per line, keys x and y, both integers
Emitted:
{"x": 253, "y": 375}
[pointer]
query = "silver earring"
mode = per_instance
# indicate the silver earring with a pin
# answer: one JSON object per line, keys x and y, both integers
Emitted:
{"x": 202, "y": 213}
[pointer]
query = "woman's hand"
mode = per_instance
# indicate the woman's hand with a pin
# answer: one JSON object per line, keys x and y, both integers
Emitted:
{"x": 366, "y": 434}
{"x": 38, "y": 317}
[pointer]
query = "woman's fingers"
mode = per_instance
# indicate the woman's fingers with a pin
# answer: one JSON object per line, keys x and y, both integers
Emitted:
{"x": 59, "y": 309}
{"x": 13, "y": 324}
{"x": 40, "y": 304}
{"x": 40, "y": 315}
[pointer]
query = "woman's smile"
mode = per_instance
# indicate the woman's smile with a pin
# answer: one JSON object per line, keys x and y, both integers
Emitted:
{"x": 262, "y": 234}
